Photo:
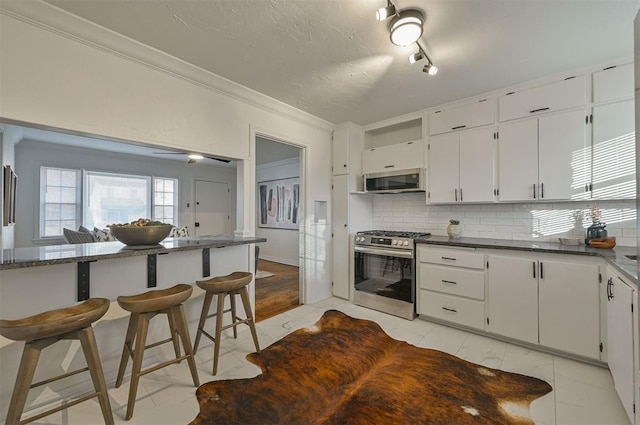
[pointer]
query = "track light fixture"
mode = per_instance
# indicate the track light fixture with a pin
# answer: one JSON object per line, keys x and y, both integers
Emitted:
{"x": 406, "y": 28}
{"x": 385, "y": 12}
{"x": 429, "y": 68}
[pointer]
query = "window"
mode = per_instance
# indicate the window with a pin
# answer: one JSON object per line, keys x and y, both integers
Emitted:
{"x": 103, "y": 199}
{"x": 164, "y": 200}
{"x": 115, "y": 198}
{"x": 59, "y": 200}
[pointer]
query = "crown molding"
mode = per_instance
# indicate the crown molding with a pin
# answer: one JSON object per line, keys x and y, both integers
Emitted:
{"x": 63, "y": 23}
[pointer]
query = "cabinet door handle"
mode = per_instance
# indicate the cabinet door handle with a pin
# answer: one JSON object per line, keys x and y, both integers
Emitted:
{"x": 458, "y": 127}
{"x": 610, "y": 289}
{"x": 534, "y": 269}
{"x": 586, "y": 187}
{"x": 538, "y": 110}
{"x": 448, "y": 258}
{"x": 449, "y": 309}
{"x": 449, "y": 281}
{"x": 455, "y": 192}
{"x": 541, "y": 190}
{"x": 389, "y": 166}
{"x": 534, "y": 191}
{"x": 460, "y": 194}
{"x": 541, "y": 270}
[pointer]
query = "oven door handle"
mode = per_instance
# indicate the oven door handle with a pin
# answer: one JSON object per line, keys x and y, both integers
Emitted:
{"x": 403, "y": 253}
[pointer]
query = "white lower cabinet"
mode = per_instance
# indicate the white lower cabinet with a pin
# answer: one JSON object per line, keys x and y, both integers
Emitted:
{"x": 622, "y": 301}
{"x": 546, "y": 301}
{"x": 513, "y": 297}
{"x": 451, "y": 285}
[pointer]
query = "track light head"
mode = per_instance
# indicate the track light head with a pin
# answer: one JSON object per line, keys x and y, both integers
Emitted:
{"x": 406, "y": 27}
{"x": 416, "y": 57}
{"x": 430, "y": 69}
{"x": 385, "y": 12}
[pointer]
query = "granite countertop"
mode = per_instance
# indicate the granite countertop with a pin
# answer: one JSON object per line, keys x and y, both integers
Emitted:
{"x": 616, "y": 256}
{"x": 59, "y": 254}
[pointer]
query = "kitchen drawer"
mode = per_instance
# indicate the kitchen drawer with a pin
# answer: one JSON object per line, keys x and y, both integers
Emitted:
{"x": 452, "y": 309}
{"x": 451, "y": 257}
{"x": 452, "y": 280}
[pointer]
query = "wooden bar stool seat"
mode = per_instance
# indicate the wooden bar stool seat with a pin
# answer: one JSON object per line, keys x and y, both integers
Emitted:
{"x": 232, "y": 284}
{"x": 44, "y": 329}
{"x": 143, "y": 307}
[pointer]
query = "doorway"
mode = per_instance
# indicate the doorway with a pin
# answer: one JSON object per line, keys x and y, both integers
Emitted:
{"x": 213, "y": 208}
{"x": 278, "y": 219}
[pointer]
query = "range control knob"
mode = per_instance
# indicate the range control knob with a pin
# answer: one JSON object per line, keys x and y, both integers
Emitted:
{"x": 406, "y": 243}
{"x": 394, "y": 242}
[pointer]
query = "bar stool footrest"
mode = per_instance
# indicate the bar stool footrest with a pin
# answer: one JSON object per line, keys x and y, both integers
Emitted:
{"x": 57, "y": 378}
{"x": 59, "y": 408}
{"x": 161, "y": 365}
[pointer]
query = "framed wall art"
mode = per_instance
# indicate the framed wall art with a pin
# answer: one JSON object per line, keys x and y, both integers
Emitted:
{"x": 279, "y": 203}
{"x": 10, "y": 183}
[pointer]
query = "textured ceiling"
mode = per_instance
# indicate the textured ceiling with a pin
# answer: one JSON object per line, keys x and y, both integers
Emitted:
{"x": 332, "y": 58}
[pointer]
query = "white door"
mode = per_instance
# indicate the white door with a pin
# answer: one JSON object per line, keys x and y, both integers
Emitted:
{"x": 212, "y": 209}
{"x": 340, "y": 231}
{"x": 518, "y": 160}
{"x": 569, "y": 307}
{"x": 563, "y": 157}
{"x": 620, "y": 341}
{"x": 476, "y": 165}
{"x": 614, "y": 151}
{"x": 513, "y": 297}
{"x": 443, "y": 168}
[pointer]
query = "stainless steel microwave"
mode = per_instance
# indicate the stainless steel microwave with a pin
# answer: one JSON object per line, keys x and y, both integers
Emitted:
{"x": 397, "y": 181}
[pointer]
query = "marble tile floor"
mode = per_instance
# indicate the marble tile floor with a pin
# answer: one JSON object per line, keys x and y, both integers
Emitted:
{"x": 582, "y": 395}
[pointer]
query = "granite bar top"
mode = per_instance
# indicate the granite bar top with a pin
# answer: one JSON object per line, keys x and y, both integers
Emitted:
{"x": 616, "y": 256}
{"x": 59, "y": 254}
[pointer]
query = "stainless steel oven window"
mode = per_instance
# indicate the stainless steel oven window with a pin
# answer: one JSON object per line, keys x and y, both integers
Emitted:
{"x": 385, "y": 275}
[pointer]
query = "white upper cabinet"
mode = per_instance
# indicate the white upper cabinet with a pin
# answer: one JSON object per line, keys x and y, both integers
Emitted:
{"x": 461, "y": 167}
{"x": 544, "y": 158}
{"x": 477, "y": 155}
{"x": 462, "y": 117}
{"x": 552, "y": 97}
{"x": 614, "y": 168}
{"x": 564, "y": 157}
{"x": 340, "y": 151}
{"x": 444, "y": 151}
{"x": 402, "y": 156}
{"x": 613, "y": 83}
{"x": 518, "y": 160}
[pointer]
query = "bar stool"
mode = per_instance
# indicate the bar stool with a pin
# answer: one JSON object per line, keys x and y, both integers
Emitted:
{"x": 143, "y": 307}
{"x": 232, "y": 284}
{"x": 44, "y": 329}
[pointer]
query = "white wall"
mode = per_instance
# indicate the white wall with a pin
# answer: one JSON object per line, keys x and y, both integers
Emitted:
{"x": 62, "y": 72}
{"x": 535, "y": 222}
{"x": 9, "y": 137}
{"x": 282, "y": 244}
{"x": 30, "y": 156}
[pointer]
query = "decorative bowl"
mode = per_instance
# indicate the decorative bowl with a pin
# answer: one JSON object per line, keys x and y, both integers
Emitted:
{"x": 605, "y": 243}
{"x": 570, "y": 241}
{"x": 142, "y": 235}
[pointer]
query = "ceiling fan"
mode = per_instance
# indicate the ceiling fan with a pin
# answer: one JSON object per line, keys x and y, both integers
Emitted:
{"x": 193, "y": 157}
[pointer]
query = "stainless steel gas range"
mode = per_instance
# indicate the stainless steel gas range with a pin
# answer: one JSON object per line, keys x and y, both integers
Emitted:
{"x": 384, "y": 271}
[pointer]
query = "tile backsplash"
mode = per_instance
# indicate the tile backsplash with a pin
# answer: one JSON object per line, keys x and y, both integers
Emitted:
{"x": 533, "y": 221}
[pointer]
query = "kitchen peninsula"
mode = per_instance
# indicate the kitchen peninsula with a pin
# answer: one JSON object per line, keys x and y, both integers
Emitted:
{"x": 33, "y": 280}
{"x": 69, "y": 273}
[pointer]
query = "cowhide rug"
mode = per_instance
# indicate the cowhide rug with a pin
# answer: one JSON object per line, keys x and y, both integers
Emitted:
{"x": 348, "y": 371}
